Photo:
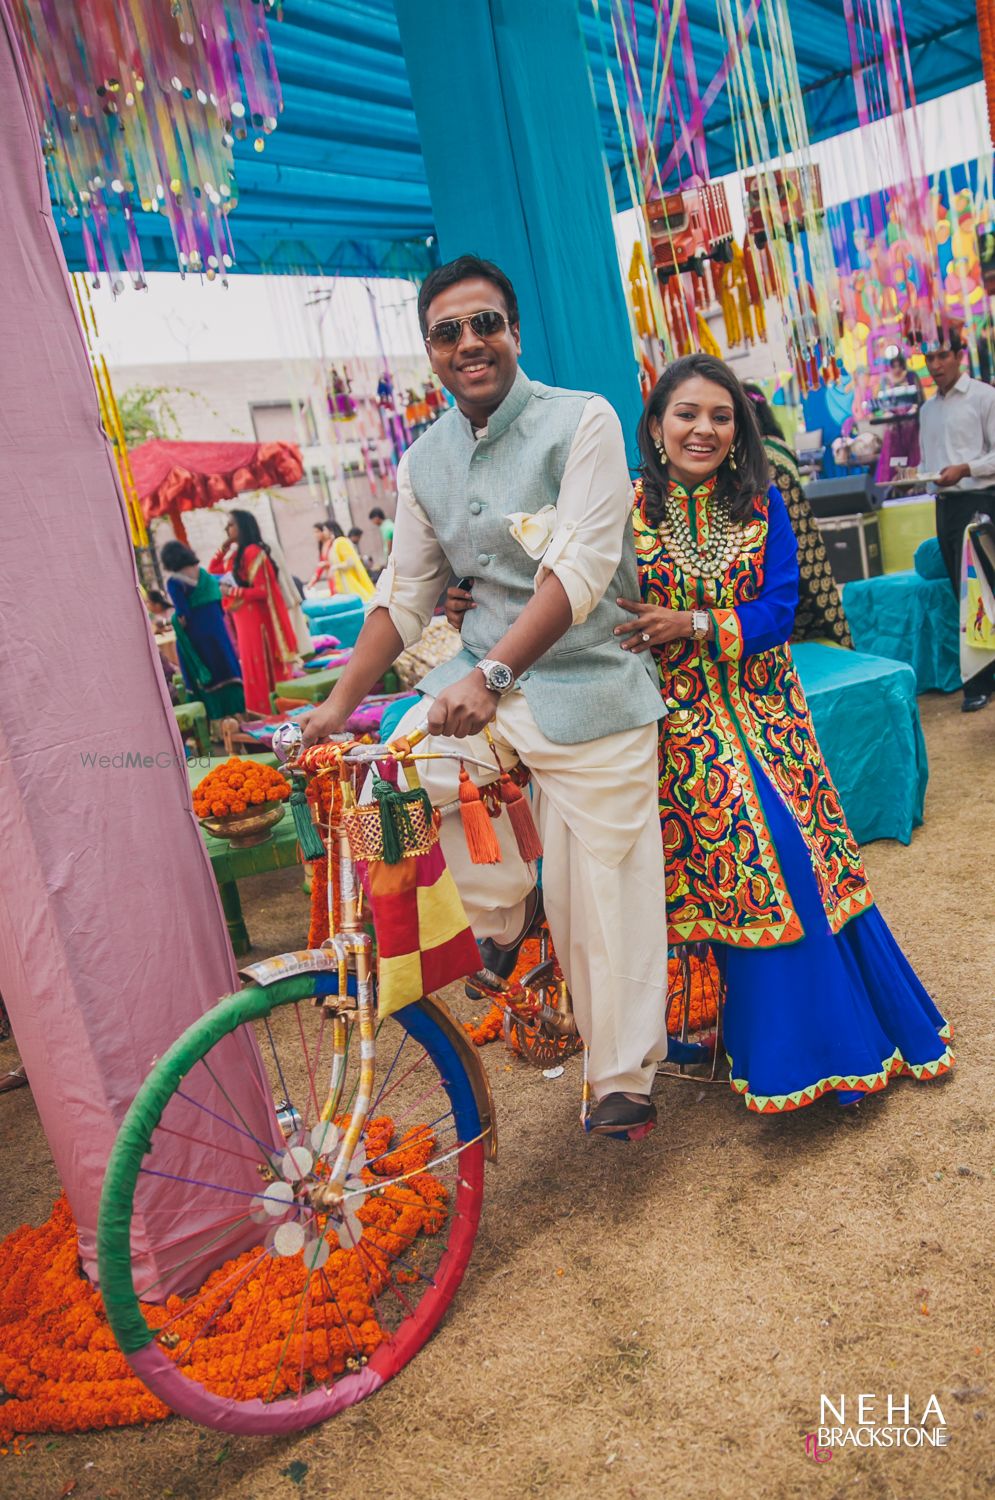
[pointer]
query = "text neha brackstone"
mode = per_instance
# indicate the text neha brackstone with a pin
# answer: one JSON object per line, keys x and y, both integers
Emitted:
{"x": 885, "y": 1422}
{"x": 131, "y": 760}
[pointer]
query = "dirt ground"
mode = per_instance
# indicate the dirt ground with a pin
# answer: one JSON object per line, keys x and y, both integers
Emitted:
{"x": 661, "y": 1319}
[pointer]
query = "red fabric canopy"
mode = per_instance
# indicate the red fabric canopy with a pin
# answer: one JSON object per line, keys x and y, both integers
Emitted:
{"x": 171, "y": 477}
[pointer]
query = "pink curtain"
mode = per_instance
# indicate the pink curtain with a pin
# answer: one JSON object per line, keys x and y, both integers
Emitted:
{"x": 112, "y": 938}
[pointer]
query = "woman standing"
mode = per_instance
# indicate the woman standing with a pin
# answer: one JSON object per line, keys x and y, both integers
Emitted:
{"x": 323, "y": 573}
{"x": 248, "y": 578}
{"x": 900, "y": 448}
{"x": 819, "y": 615}
{"x": 345, "y": 565}
{"x": 760, "y": 861}
{"x": 340, "y": 565}
{"x": 207, "y": 658}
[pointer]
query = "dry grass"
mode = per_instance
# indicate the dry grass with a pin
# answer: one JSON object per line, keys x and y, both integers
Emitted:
{"x": 661, "y": 1319}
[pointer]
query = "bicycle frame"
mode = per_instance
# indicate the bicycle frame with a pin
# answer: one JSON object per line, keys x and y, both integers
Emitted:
{"x": 350, "y": 950}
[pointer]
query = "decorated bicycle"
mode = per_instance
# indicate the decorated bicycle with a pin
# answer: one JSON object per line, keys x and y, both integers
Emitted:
{"x": 341, "y": 1206}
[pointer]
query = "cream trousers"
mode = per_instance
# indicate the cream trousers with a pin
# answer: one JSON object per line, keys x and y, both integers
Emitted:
{"x": 595, "y": 805}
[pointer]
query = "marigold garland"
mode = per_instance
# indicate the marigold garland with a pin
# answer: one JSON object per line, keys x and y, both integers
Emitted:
{"x": 700, "y": 998}
{"x": 236, "y": 786}
{"x": 325, "y": 795}
{"x": 61, "y": 1370}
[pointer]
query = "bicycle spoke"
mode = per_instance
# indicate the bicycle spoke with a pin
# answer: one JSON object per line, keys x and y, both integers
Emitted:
{"x": 387, "y": 1076}
{"x": 234, "y": 1107}
{"x": 222, "y": 1306}
{"x": 228, "y": 1225}
{"x": 307, "y": 1063}
{"x": 208, "y": 1145}
{"x": 267, "y": 1151}
{"x": 252, "y": 1324}
{"x": 279, "y": 1069}
{"x": 317, "y": 1064}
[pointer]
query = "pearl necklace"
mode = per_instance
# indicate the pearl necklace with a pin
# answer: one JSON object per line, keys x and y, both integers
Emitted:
{"x": 717, "y": 556}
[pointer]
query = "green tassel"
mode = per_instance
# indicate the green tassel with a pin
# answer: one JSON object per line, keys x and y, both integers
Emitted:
{"x": 397, "y": 829}
{"x": 308, "y": 836}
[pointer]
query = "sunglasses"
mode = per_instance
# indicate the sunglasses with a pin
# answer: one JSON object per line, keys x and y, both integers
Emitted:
{"x": 486, "y": 325}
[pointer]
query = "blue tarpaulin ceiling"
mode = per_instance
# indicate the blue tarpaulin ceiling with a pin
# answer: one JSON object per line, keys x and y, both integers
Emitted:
{"x": 340, "y": 186}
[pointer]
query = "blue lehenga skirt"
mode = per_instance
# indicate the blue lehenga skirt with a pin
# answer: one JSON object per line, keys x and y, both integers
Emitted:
{"x": 841, "y": 1012}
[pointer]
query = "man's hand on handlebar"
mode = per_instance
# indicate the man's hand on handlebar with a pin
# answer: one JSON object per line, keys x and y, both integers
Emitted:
{"x": 321, "y": 724}
{"x": 464, "y": 708}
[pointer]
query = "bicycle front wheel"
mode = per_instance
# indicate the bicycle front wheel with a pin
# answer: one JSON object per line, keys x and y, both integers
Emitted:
{"x": 307, "y": 1312}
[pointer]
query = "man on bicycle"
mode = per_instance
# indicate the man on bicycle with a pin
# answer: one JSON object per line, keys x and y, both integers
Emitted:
{"x": 525, "y": 489}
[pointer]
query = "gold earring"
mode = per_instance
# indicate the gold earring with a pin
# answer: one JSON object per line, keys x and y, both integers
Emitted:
{"x": 732, "y": 461}
{"x": 662, "y": 451}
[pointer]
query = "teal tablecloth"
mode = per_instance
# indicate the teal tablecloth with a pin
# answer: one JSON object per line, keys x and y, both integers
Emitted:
{"x": 910, "y": 619}
{"x": 867, "y": 720}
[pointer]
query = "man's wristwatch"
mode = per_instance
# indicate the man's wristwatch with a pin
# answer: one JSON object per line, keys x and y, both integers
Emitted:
{"x": 499, "y": 678}
{"x": 699, "y": 624}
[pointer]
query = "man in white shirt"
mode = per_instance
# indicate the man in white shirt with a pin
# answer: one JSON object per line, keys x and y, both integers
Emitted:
{"x": 957, "y": 438}
{"x": 525, "y": 489}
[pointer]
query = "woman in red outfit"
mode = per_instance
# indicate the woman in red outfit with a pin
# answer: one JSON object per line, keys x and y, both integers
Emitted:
{"x": 267, "y": 646}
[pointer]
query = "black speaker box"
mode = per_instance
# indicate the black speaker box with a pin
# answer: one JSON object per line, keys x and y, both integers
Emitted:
{"x": 847, "y": 495}
{"x": 853, "y": 546}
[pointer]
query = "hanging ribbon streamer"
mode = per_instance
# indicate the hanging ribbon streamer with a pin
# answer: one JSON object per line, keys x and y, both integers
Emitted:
{"x": 139, "y": 106}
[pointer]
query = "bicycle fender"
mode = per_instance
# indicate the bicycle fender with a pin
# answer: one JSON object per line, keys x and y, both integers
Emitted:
{"x": 286, "y": 965}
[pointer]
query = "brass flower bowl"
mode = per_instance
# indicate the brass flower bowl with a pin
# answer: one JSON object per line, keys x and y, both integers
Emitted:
{"x": 245, "y": 830}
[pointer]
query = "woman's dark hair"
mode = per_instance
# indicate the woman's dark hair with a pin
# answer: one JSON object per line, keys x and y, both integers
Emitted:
{"x": 249, "y": 535}
{"x": 763, "y": 411}
{"x": 463, "y": 268}
{"x": 740, "y": 486}
{"x": 159, "y": 600}
{"x": 176, "y": 556}
{"x": 334, "y": 528}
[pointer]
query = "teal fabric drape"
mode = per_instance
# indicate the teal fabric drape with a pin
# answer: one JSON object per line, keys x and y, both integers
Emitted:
{"x": 911, "y": 619}
{"x": 516, "y": 172}
{"x": 866, "y": 717}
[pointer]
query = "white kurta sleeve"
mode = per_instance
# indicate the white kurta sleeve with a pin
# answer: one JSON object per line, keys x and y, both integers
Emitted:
{"x": 592, "y": 511}
{"x": 417, "y": 570}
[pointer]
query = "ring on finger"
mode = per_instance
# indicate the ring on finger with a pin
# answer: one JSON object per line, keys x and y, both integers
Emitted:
{"x": 645, "y": 635}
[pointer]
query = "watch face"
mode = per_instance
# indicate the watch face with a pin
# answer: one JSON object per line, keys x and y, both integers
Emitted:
{"x": 499, "y": 677}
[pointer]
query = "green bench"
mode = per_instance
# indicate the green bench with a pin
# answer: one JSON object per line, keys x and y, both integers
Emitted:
{"x": 316, "y": 686}
{"x": 192, "y": 719}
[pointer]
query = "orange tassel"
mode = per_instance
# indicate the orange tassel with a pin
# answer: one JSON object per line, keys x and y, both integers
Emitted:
{"x": 521, "y": 820}
{"x": 481, "y": 840}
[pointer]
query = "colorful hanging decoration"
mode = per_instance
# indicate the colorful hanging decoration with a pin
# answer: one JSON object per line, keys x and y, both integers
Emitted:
{"x": 679, "y": 266}
{"x": 139, "y": 106}
{"x": 110, "y": 417}
{"x": 788, "y": 251}
{"x": 889, "y": 262}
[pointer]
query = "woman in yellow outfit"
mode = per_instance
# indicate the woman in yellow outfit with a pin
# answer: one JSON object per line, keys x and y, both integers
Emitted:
{"x": 342, "y": 565}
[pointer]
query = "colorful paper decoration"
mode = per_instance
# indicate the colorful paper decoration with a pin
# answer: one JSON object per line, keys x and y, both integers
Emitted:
{"x": 139, "y": 105}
